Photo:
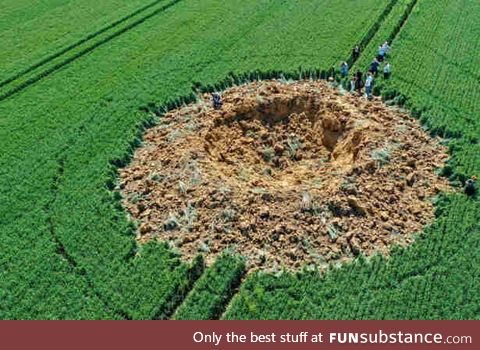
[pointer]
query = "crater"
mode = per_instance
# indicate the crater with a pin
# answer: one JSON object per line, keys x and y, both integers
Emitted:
{"x": 287, "y": 174}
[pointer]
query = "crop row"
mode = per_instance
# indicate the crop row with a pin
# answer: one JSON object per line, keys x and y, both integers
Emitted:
{"x": 440, "y": 76}
{"x": 436, "y": 87}
{"x": 436, "y": 75}
{"x": 375, "y": 28}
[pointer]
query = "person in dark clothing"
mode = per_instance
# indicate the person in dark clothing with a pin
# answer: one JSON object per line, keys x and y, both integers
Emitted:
{"x": 374, "y": 66}
{"x": 359, "y": 75}
{"x": 356, "y": 52}
{"x": 359, "y": 82}
{"x": 344, "y": 69}
{"x": 217, "y": 100}
{"x": 471, "y": 186}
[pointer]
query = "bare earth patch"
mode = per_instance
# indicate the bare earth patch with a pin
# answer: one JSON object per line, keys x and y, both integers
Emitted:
{"x": 286, "y": 174}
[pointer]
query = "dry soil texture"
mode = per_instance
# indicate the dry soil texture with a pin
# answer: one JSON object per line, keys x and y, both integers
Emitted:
{"x": 286, "y": 174}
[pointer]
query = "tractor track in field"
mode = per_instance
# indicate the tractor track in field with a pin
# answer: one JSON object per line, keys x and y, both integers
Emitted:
{"x": 372, "y": 31}
{"x": 24, "y": 81}
{"x": 398, "y": 27}
{"x": 60, "y": 247}
{"x": 82, "y": 41}
{"x": 61, "y": 250}
{"x": 220, "y": 307}
{"x": 235, "y": 290}
{"x": 403, "y": 20}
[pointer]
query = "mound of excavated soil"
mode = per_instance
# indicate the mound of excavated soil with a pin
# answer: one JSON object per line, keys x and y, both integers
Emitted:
{"x": 286, "y": 175}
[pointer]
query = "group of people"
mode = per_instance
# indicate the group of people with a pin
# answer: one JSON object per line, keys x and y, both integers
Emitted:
{"x": 383, "y": 51}
{"x": 356, "y": 82}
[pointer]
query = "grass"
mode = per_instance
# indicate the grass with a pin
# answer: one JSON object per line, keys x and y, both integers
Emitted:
{"x": 229, "y": 215}
{"x": 211, "y": 293}
{"x": 293, "y": 146}
{"x": 189, "y": 215}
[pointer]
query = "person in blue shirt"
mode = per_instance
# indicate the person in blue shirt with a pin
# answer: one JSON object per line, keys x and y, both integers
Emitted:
{"x": 386, "y": 48}
{"x": 344, "y": 69}
{"x": 374, "y": 66}
{"x": 381, "y": 53}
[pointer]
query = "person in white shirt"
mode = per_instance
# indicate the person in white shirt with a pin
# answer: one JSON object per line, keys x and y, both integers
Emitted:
{"x": 369, "y": 85}
{"x": 387, "y": 70}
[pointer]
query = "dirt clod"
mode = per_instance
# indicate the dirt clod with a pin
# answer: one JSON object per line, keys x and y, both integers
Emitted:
{"x": 287, "y": 174}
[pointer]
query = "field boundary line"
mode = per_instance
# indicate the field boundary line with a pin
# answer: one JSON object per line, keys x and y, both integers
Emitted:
{"x": 47, "y": 72}
{"x": 77, "y": 43}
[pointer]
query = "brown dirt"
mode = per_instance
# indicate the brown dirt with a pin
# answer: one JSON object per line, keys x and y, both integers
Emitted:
{"x": 286, "y": 175}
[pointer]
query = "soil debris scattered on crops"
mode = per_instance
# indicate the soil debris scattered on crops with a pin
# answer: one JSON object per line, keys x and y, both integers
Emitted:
{"x": 287, "y": 174}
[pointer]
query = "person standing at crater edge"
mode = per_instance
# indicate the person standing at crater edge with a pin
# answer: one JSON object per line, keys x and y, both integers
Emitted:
{"x": 217, "y": 100}
{"x": 386, "y": 48}
{"x": 353, "y": 83}
{"x": 359, "y": 82}
{"x": 471, "y": 186}
{"x": 381, "y": 53}
{"x": 344, "y": 69}
{"x": 374, "y": 66}
{"x": 369, "y": 85}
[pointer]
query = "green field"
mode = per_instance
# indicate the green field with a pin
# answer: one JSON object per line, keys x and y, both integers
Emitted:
{"x": 76, "y": 78}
